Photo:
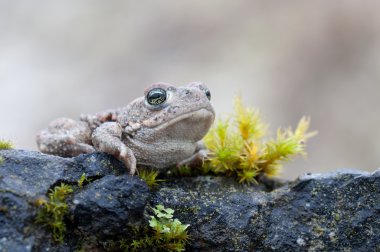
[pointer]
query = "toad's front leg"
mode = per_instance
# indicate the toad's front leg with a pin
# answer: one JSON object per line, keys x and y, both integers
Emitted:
{"x": 197, "y": 159}
{"x": 107, "y": 138}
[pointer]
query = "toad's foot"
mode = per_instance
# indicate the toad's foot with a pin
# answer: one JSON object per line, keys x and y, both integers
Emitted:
{"x": 107, "y": 138}
{"x": 197, "y": 159}
{"x": 65, "y": 137}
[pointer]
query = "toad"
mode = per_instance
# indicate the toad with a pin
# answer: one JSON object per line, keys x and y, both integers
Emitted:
{"x": 161, "y": 129}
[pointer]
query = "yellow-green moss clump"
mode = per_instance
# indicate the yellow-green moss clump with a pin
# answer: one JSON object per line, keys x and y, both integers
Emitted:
{"x": 150, "y": 177}
{"x": 239, "y": 147}
{"x": 52, "y": 212}
{"x": 5, "y": 145}
{"x": 165, "y": 233}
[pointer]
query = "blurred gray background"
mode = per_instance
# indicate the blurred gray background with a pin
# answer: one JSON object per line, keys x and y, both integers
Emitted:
{"x": 287, "y": 58}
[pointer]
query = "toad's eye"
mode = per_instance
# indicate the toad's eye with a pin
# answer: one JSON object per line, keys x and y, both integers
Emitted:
{"x": 156, "y": 96}
{"x": 208, "y": 94}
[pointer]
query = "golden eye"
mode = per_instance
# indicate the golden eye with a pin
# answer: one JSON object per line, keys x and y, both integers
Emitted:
{"x": 156, "y": 96}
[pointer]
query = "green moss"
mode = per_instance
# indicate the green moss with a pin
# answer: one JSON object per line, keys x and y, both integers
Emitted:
{"x": 182, "y": 171}
{"x": 83, "y": 180}
{"x": 5, "y": 145}
{"x": 52, "y": 211}
{"x": 3, "y": 209}
{"x": 164, "y": 234}
{"x": 150, "y": 177}
{"x": 239, "y": 147}
{"x": 1, "y": 160}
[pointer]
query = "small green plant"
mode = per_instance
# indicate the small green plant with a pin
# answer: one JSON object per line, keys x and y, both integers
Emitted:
{"x": 52, "y": 211}
{"x": 1, "y": 160}
{"x": 5, "y": 145}
{"x": 238, "y": 146}
{"x": 165, "y": 233}
{"x": 150, "y": 177}
{"x": 187, "y": 171}
{"x": 171, "y": 231}
{"x": 82, "y": 180}
{"x": 182, "y": 171}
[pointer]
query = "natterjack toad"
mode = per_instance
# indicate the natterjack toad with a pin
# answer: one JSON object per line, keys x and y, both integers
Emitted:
{"x": 161, "y": 129}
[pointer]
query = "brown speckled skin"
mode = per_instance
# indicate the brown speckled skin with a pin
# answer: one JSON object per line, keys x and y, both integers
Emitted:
{"x": 155, "y": 136}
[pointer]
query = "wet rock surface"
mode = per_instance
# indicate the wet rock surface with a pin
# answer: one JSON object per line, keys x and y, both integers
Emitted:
{"x": 318, "y": 212}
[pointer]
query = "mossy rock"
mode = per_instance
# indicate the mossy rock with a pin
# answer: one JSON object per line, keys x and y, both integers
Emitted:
{"x": 327, "y": 212}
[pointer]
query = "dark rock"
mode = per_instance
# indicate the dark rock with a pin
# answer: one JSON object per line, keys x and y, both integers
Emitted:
{"x": 105, "y": 206}
{"x": 327, "y": 212}
{"x": 26, "y": 176}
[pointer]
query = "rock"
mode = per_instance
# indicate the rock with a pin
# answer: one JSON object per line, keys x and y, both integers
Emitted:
{"x": 317, "y": 212}
{"x": 327, "y": 212}
{"x": 113, "y": 198}
{"x": 105, "y": 206}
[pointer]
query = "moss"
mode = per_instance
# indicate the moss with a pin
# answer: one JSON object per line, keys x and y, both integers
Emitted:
{"x": 3, "y": 209}
{"x": 193, "y": 209}
{"x": 5, "y": 145}
{"x": 83, "y": 180}
{"x": 53, "y": 211}
{"x": 182, "y": 171}
{"x": 150, "y": 177}
{"x": 239, "y": 147}
{"x": 164, "y": 234}
{"x": 1, "y": 160}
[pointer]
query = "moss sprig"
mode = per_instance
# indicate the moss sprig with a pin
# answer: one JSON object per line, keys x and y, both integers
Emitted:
{"x": 83, "y": 180}
{"x": 53, "y": 211}
{"x": 6, "y": 145}
{"x": 239, "y": 145}
{"x": 150, "y": 177}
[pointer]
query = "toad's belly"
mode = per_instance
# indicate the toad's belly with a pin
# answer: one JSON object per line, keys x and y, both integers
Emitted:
{"x": 163, "y": 154}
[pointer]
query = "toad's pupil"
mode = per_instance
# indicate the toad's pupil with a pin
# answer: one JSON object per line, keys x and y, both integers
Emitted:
{"x": 156, "y": 96}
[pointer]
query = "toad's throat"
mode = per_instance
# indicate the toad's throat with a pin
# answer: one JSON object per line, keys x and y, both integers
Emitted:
{"x": 189, "y": 127}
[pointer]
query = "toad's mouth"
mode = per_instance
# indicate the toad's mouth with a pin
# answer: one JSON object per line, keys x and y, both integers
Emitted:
{"x": 192, "y": 125}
